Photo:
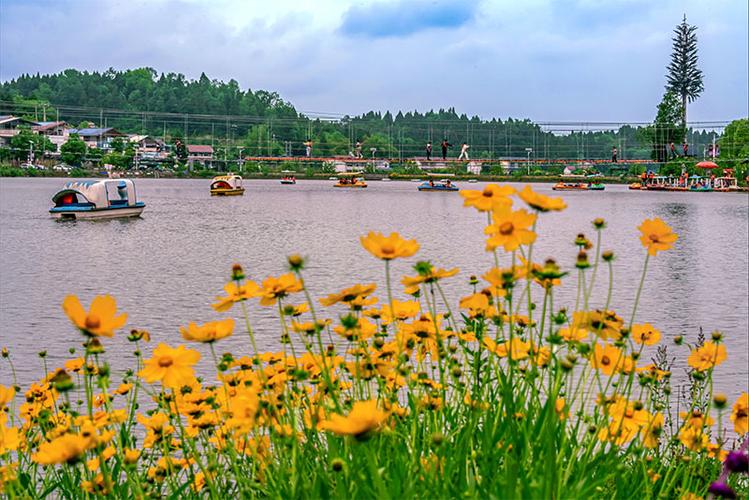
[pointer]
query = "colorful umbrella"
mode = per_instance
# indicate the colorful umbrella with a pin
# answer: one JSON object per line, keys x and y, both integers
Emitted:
{"x": 707, "y": 164}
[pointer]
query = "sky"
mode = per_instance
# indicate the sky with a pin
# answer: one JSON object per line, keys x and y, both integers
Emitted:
{"x": 546, "y": 60}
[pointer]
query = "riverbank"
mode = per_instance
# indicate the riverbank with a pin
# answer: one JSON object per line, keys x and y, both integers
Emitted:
{"x": 81, "y": 173}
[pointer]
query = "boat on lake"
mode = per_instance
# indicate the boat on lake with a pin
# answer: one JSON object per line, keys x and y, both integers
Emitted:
{"x": 289, "y": 177}
{"x": 473, "y": 181}
{"x": 227, "y": 185}
{"x": 102, "y": 199}
{"x": 726, "y": 184}
{"x": 578, "y": 186}
{"x": 350, "y": 180}
{"x": 441, "y": 185}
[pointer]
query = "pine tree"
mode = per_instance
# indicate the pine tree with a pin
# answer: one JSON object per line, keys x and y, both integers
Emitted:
{"x": 684, "y": 77}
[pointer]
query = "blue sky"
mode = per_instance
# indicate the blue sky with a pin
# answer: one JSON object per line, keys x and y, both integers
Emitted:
{"x": 548, "y": 60}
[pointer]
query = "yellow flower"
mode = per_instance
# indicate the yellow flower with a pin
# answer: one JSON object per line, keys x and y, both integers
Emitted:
{"x": 74, "y": 365}
{"x": 645, "y": 334}
{"x": 516, "y": 349}
{"x": 123, "y": 389}
{"x": 362, "y": 329}
{"x": 510, "y": 229}
{"x": 740, "y": 414}
{"x": 208, "y": 332}
{"x": 656, "y": 235}
{"x": 651, "y": 432}
{"x": 412, "y": 283}
{"x": 605, "y": 324}
{"x": 100, "y": 320}
{"x": 68, "y": 448}
{"x": 607, "y": 358}
{"x": 561, "y": 409}
{"x": 478, "y": 305}
{"x": 693, "y": 438}
{"x": 502, "y": 279}
{"x": 278, "y": 288}
{"x": 708, "y": 356}
{"x": 401, "y": 310}
{"x": 541, "y": 202}
{"x": 6, "y": 395}
{"x": 131, "y": 456}
{"x": 236, "y": 293}
{"x": 348, "y": 295}
{"x": 493, "y": 196}
{"x": 10, "y": 437}
{"x": 390, "y": 247}
{"x": 690, "y": 496}
{"x": 573, "y": 333}
{"x": 172, "y": 367}
{"x": 363, "y": 418}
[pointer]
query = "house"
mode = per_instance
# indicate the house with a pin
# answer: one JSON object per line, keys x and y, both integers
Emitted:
{"x": 9, "y": 127}
{"x": 198, "y": 153}
{"x": 146, "y": 143}
{"x": 56, "y": 132}
{"x": 98, "y": 137}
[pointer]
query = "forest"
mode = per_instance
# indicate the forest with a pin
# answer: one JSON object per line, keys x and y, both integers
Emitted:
{"x": 262, "y": 123}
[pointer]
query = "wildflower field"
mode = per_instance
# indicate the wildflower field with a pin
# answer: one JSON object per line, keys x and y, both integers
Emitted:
{"x": 505, "y": 394}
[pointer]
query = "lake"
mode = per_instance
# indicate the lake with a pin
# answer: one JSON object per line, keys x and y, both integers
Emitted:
{"x": 166, "y": 268}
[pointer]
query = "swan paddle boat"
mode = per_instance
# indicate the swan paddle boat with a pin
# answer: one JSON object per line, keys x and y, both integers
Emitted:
{"x": 577, "y": 186}
{"x": 227, "y": 185}
{"x": 103, "y": 199}
{"x": 350, "y": 180}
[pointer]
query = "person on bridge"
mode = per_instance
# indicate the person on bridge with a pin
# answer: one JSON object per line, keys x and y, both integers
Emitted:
{"x": 429, "y": 151}
{"x": 308, "y": 148}
{"x": 463, "y": 152}
{"x": 673, "y": 150}
{"x": 614, "y": 154}
{"x": 685, "y": 147}
{"x": 357, "y": 150}
{"x": 445, "y": 145}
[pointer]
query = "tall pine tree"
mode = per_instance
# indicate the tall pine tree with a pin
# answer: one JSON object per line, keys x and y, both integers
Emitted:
{"x": 684, "y": 77}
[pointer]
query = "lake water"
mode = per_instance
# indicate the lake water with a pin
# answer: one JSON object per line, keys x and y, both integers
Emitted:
{"x": 165, "y": 268}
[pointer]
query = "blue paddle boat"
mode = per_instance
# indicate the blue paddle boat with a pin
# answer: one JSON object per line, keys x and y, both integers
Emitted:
{"x": 104, "y": 199}
{"x": 441, "y": 185}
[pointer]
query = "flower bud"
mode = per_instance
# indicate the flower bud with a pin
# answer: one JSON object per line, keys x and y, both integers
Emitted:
{"x": 599, "y": 223}
{"x": 582, "y": 260}
{"x": 720, "y": 400}
{"x": 678, "y": 340}
{"x": 296, "y": 262}
{"x": 607, "y": 256}
{"x": 717, "y": 336}
{"x": 473, "y": 280}
{"x": 237, "y": 273}
{"x": 337, "y": 464}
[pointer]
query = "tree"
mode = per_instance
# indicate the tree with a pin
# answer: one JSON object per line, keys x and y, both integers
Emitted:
{"x": 73, "y": 151}
{"x": 684, "y": 77}
{"x": 734, "y": 143}
{"x": 667, "y": 127}
{"x": 25, "y": 141}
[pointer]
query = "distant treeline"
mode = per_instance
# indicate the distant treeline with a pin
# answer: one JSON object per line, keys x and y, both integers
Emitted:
{"x": 262, "y": 123}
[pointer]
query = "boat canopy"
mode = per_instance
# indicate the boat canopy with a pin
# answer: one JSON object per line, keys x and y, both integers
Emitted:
{"x": 95, "y": 192}
{"x": 233, "y": 181}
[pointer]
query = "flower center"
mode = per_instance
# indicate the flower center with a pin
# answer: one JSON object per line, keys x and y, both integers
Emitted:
{"x": 388, "y": 248}
{"x": 605, "y": 360}
{"x": 165, "y": 361}
{"x": 506, "y": 228}
{"x": 92, "y": 321}
{"x": 654, "y": 238}
{"x": 487, "y": 193}
{"x": 629, "y": 413}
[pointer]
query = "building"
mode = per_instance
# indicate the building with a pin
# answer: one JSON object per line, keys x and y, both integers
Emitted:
{"x": 57, "y": 132}
{"x": 9, "y": 127}
{"x": 100, "y": 138}
{"x": 198, "y": 153}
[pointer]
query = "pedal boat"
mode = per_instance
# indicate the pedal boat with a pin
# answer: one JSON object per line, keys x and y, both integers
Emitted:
{"x": 103, "y": 199}
{"x": 227, "y": 185}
